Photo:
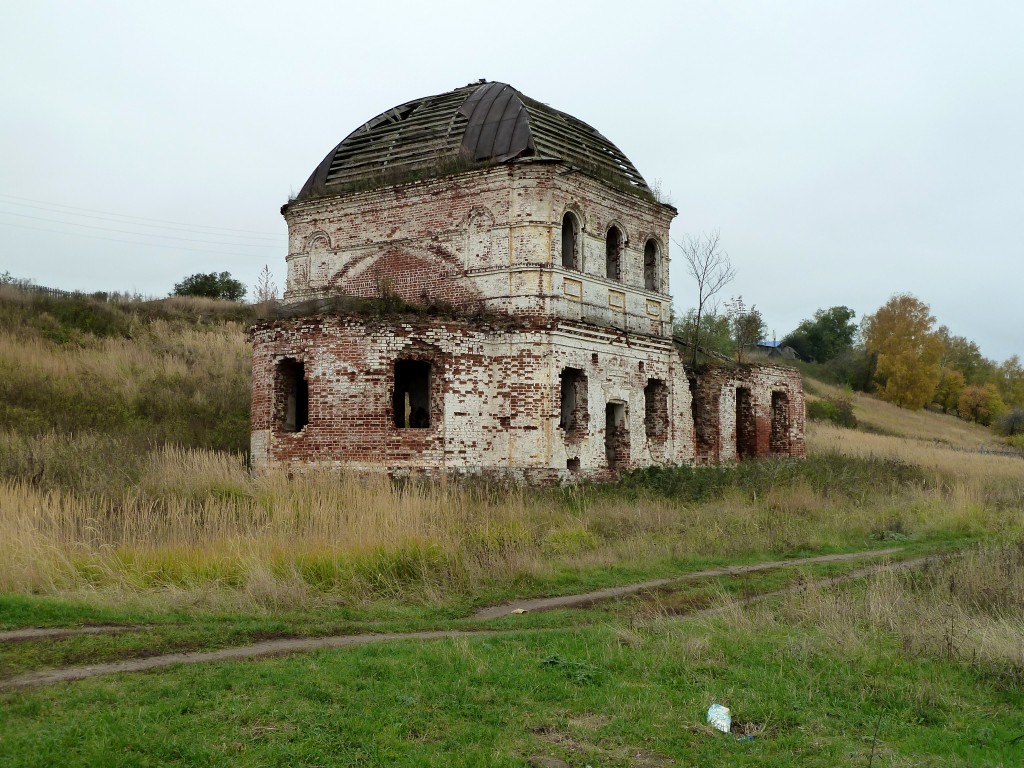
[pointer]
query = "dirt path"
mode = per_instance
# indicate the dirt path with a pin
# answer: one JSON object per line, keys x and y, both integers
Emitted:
{"x": 266, "y": 648}
{"x": 831, "y": 581}
{"x": 299, "y": 645}
{"x": 43, "y": 633}
{"x": 589, "y": 598}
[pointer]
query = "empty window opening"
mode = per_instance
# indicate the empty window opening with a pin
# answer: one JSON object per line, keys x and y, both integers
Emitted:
{"x": 656, "y": 410}
{"x": 779, "y": 442}
{"x": 573, "y": 464}
{"x": 651, "y": 266}
{"x": 613, "y": 254}
{"x": 291, "y": 396}
{"x": 570, "y": 242}
{"x": 746, "y": 434}
{"x": 698, "y": 424}
{"x": 616, "y": 436}
{"x": 412, "y": 394}
{"x": 574, "y": 414}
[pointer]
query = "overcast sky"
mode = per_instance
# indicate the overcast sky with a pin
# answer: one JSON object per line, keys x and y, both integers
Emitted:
{"x": 845, "y": 150}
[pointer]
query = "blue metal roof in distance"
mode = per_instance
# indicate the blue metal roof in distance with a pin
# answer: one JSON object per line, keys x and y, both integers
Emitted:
{"x": 479, "y": 124}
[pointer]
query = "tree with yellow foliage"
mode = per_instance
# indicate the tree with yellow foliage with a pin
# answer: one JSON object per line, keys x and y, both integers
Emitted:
{"x": 1011, "y": 381}
{"x": 947, "y": 394}
{"x": 908, "y": 351}
{"x": 981, "y": 404}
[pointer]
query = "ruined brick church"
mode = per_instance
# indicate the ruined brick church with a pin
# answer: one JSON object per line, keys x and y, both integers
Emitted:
{"x": 478, "y": 283}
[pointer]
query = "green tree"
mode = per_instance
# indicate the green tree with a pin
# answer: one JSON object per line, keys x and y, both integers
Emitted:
{"x": 212, "y": 285}
{"x": 854, "y": 367}
{"x": 715, "y": 335}
{"x": 961, "y": 354}
{"x": 908, "y": 351}
{"x": 1011, "y": 423}
{"x": 825, "y": 337}
{"x": 746, "y": 326}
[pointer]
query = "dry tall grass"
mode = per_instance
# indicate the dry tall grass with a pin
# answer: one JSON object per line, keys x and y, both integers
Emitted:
{"x": 968, "y": 606}
{"x": 969, "y": 465}
{"x": 160, "y": 349}
{"x": 98, "y": 492}
{"x": 942, "y": 429}
{"x": 198, "y": 523}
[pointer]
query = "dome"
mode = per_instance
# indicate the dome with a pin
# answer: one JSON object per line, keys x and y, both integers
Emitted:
{"x": 480, "y": 124}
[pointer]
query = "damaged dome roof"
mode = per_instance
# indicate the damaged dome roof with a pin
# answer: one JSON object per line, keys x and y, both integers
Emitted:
{"x": 479, "y": 124}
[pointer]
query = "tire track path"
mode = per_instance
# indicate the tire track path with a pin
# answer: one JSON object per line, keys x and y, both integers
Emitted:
{"x": 286, "y": 646}
{"x": 589, "y": 598}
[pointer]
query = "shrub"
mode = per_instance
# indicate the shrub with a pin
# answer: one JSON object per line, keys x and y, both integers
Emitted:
{"x": 838, "y": 410}
{"x": 1011, "y": 423}
{"x": 830, "y": 474}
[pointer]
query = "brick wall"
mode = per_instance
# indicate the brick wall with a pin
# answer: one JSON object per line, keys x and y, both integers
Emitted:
{"x": 490, "y": 239}
{"x": 495, "y": 399}
{"x": 749, "y": 411}
{"x": 487, "y": 396}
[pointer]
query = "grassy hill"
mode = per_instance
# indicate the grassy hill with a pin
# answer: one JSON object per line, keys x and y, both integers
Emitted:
{"x": 88, "y": 388}
{"x": 136, "y": 414}
{"x": 125, "y": 498}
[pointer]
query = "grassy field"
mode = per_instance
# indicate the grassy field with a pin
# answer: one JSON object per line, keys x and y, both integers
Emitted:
{"x": 124, "y": 499}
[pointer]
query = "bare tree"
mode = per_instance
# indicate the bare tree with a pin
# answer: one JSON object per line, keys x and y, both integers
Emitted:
{"x": 709, "y": 265}
{"x": 266, "y": 288}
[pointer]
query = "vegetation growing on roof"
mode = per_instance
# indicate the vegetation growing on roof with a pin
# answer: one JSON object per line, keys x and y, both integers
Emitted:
{"x": 471, "y": 127}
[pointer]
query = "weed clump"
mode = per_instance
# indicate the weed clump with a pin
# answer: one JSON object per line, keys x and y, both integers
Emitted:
{"x": 837, "y": 410}
{"x": 830, "y": 474}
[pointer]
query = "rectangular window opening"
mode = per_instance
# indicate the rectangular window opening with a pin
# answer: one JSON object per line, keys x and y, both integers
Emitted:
{"x": 699, "y": 437}
{"x": 746, "y": 435}
{"x": 656, "y": 410}
{"x": 412, "y": 394}
{"x": 616, "y": 436}
{"x": 291, "y": 395}
{"x": 779, "y": 442}
{"x": 574, "y": 416}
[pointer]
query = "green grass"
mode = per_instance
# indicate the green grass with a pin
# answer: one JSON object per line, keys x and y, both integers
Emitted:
{"x": 90, "y": 391}
{"x": 164, "y": 631}
{"x": 592, "y": 696}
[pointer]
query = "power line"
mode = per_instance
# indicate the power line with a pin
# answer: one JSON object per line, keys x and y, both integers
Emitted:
{"x": 140, "y": 234}
{"x": 137, "y": 218}
{"x": 185, "y": 228}
{"x": 129, "y": 242}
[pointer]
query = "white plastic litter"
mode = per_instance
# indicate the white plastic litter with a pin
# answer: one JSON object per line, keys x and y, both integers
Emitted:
{"x": 719, "y": 718}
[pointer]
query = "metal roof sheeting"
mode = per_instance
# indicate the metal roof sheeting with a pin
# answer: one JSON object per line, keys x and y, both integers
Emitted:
{"x": 478, "y": 124}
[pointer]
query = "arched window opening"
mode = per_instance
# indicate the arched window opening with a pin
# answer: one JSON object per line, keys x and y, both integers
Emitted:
{"x": 652, "y": 268}
{"x": 613, "y": 254}
{"x": 571, "y": 242}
